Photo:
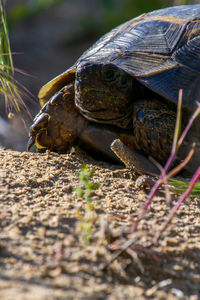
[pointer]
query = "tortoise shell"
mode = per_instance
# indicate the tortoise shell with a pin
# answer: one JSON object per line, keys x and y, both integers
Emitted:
{"x": 161, "y": 49}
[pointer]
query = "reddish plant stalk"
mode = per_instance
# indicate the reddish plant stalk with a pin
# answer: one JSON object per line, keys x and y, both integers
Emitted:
{"x": 181, "y": 199}
{"x": 160, "y": 181}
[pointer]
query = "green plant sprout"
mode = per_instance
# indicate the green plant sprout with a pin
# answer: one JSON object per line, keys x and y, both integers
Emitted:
{"x": 85, "y": 192}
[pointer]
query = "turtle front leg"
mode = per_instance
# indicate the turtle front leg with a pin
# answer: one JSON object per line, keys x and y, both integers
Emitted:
{"x": 153, "y": 130}
{"x": 58, "y": 124}
{"x": 154, "y": 123}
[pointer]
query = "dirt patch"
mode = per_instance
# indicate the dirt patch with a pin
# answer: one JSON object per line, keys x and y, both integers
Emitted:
{"x": 40, "y": 254}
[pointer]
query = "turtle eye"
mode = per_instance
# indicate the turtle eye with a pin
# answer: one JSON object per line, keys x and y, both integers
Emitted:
{"x": 109, "y": 74}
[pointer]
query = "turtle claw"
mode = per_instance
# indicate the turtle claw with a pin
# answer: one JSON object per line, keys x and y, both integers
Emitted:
{"x": 40, "y": 124}
{"x": 30, "y": 143}
{"x": 41, "y": 121}
{"x": 57, "y": 98}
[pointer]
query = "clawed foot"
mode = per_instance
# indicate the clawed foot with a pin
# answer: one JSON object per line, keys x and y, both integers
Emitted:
{"x": 57, "y": 125}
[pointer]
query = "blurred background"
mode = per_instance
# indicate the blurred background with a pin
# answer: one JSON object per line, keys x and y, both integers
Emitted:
{"x": 47, "y": 36}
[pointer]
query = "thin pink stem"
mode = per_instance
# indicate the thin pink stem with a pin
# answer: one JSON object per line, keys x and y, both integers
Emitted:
{"x": 194, "y": 179}
{"x": 182, "y": 198}
{"x": 159, "y": 182}
{"x": 187, "y": 128}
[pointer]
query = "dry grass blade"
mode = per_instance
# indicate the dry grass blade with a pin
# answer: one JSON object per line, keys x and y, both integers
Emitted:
{"x": 178, "y": 122}
{"x": 135, "y": 257}
{"x": 123, "y": 248}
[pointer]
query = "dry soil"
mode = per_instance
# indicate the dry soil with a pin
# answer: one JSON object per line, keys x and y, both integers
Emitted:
{"x": 42, "y": 255}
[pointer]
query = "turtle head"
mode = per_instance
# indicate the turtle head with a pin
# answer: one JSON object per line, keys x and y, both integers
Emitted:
{"x": 102, "y": 91}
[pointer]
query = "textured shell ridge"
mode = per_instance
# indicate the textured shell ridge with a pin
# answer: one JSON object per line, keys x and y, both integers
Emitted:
{"x": 161, "y": 49}
{"x": 168, "y": 59}
{"x": 182, "y": 11}
{"x": 102, "y": 48}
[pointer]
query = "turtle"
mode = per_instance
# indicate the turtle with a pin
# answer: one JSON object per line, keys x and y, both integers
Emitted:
{"x": 119, "y": 100}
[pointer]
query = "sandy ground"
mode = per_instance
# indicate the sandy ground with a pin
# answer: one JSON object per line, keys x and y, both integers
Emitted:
{"x": 41, "y": 254}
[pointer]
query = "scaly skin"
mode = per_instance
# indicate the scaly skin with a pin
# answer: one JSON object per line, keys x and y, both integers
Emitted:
{"x": 153, "y": 128}
{"x": 59, "y": 126}
{"x": 151, "y": 122}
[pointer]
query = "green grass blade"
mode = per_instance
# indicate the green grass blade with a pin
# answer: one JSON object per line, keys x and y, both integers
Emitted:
{"x": 9, "y": 87}
{"x": 4, "y": 39}
{"x": 179, "y": 187}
